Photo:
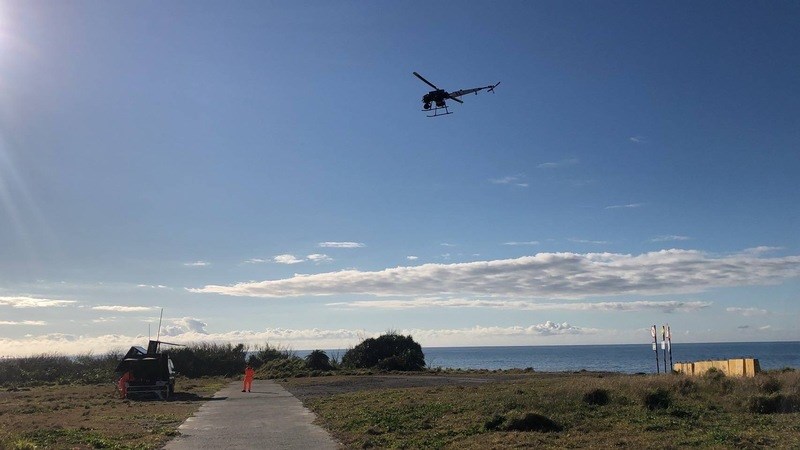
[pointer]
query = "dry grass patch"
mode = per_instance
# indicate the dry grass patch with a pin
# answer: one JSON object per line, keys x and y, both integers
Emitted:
{"x": 92, "y": 416}
{"x": 552, "y": 411}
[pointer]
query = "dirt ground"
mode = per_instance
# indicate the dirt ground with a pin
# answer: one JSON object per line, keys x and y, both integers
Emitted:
{"x": 93, "y": 416}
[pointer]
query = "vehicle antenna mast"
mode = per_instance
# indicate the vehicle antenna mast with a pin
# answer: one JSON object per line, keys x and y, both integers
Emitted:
{"x": 158, "y": 335}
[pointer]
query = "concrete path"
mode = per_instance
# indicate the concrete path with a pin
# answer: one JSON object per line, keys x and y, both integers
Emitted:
{"x": 269, "y": 417}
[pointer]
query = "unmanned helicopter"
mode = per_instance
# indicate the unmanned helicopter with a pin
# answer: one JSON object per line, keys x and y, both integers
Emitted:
{"x": 436, "y": 98}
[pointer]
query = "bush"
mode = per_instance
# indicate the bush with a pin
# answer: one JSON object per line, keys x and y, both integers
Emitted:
{"x": 768, "y": 384}
{"x": 390, "y": 351}
{"x": 522, "y": 422}
{"x": 713, "y": 374}
{"x": 207, "y": 359}
{"x": 774, "y": 403}
{"x": 657, "y": 399}
{"x": 686, "y": 386}
{"x": 318, "y": 360}
{"x": 596, "y": 397}
{"x": 289, "y": 367}
{"x": 53, "y": 368}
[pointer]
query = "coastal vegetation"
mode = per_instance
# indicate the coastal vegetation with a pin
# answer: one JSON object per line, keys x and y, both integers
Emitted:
{"x": 581, "y": 409}
{"x": 379, "y": 395}
{"x": 390, "y": 351}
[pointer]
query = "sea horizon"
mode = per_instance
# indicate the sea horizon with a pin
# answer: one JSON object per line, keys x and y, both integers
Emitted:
{"x": 626, "y": 358}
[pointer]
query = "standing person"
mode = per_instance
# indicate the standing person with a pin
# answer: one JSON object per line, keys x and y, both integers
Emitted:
{"x": 122, "y": 384}
{"x": 248, "y": 378}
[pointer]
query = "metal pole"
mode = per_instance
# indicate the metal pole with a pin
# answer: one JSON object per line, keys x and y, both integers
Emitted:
{"x": 664, "y": 347}
{"x": 655, "y": 347}
{"x": 669, "y": 345}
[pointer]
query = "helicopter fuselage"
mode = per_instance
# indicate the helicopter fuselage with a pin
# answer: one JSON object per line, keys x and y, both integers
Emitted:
{"x": 438, "y": 97}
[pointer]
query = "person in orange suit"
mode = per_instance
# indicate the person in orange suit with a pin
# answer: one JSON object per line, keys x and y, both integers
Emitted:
{"x": 122, "y": 384}
{"x": 248, "y": 378}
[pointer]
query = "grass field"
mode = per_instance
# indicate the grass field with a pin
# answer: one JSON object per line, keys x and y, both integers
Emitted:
{"x": 567, "y": 411}
{"x": 444, "y": 410}
{"x": 92, "y": 416}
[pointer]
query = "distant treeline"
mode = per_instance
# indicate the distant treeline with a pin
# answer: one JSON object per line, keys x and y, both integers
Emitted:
{"x": 390, "y": 351}
{"x": 58, "y": 369}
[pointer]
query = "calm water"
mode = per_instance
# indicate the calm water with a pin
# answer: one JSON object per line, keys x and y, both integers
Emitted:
{"x": 615, "y": 358}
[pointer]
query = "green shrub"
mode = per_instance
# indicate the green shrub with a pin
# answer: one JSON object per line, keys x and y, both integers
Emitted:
{"x": 318, "y": 360}
{"x": 208, "y": 359}
{"x": 596, "y": 397}
{"x": 531, "y": 422}
{"x": 267, "y": 353}
{"x": 53, "y": 368}
{"x": 686, "y": 386}
{"x": 774, "y": 403}
{"x": 390, "y": 351}
{"x": 768, "y": 384}
{"x": 289, "y": 367}
{"x": 659, "y": 398}
{"x": 714, "y": 374}
{"x": 494, "y": 423}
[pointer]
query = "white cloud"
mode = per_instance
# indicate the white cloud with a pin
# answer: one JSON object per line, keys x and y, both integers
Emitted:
{"x": 255, "y": 261}
{"x": 183, "y": 326}
{"x": 118, "y": 308}
{"x": 761, "y": 250}
{"x": 521, "y": 243}
{"x": 765, "y": 327}
{"x": 545, "y": 275}
{"x": 629, "y": 205}
{"x": 33, "y": 302}
{"x": 447, "y": 244}
{"x": 748, "y": 312}
{"x": 36, "y": 323}
{"x": 412, "y": 258}
{"x": 663, "y": 306}
{"x": 105, "y": 319}
{"x": 587, "y": 241}
{"x": 669, "y": 237}
{"x": 189, "y": 330}
{"x": 152, "y": 286}
{"x": 637, "y": 139}
{"x": 514, "y": 180}
{"x": 341, "y": 244}
{"x": 319, "y": 258}
{"x": 287, "y": 259}
{"x": 558, "y": 164}
{"x": 197, "y": 264}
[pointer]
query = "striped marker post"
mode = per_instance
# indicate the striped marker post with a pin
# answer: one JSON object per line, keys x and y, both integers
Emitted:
{"x": 655, "y": 347}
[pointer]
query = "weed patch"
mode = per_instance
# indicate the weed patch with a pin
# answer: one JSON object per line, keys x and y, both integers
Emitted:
{"x": 774, "y": 403}
{"x": 531, "y": 422}
{"x": 657, "y": 399}
{"x": 596, "y": 397}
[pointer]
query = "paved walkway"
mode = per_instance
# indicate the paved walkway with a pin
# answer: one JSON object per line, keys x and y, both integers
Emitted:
{"x": 269, "y": 417}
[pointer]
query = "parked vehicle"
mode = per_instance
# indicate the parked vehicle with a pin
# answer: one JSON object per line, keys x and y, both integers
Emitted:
{"x": 152, "y": 371}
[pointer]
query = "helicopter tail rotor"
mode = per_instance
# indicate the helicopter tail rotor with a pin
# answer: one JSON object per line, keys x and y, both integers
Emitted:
{"x": 491, "y": 88}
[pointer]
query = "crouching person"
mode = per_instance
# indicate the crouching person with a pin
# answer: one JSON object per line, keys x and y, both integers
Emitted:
{"x": 122, "y": 384}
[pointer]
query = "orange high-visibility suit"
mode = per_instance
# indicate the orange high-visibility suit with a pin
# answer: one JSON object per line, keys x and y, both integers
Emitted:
{"x": 248, "y": 378}
{"x": 123, "y": 384}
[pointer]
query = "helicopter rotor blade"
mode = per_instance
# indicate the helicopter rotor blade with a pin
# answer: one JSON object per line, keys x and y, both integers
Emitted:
{"x": 426, "y": 81}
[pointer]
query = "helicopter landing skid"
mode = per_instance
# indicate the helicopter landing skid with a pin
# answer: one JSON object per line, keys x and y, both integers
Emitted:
{"x": 436, "y": 112}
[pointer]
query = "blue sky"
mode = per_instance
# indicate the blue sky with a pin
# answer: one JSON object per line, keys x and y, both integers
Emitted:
{"x": 263, "y": 172}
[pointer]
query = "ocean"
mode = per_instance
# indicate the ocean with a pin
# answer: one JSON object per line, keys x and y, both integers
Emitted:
{"x": 629, "y": 358}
